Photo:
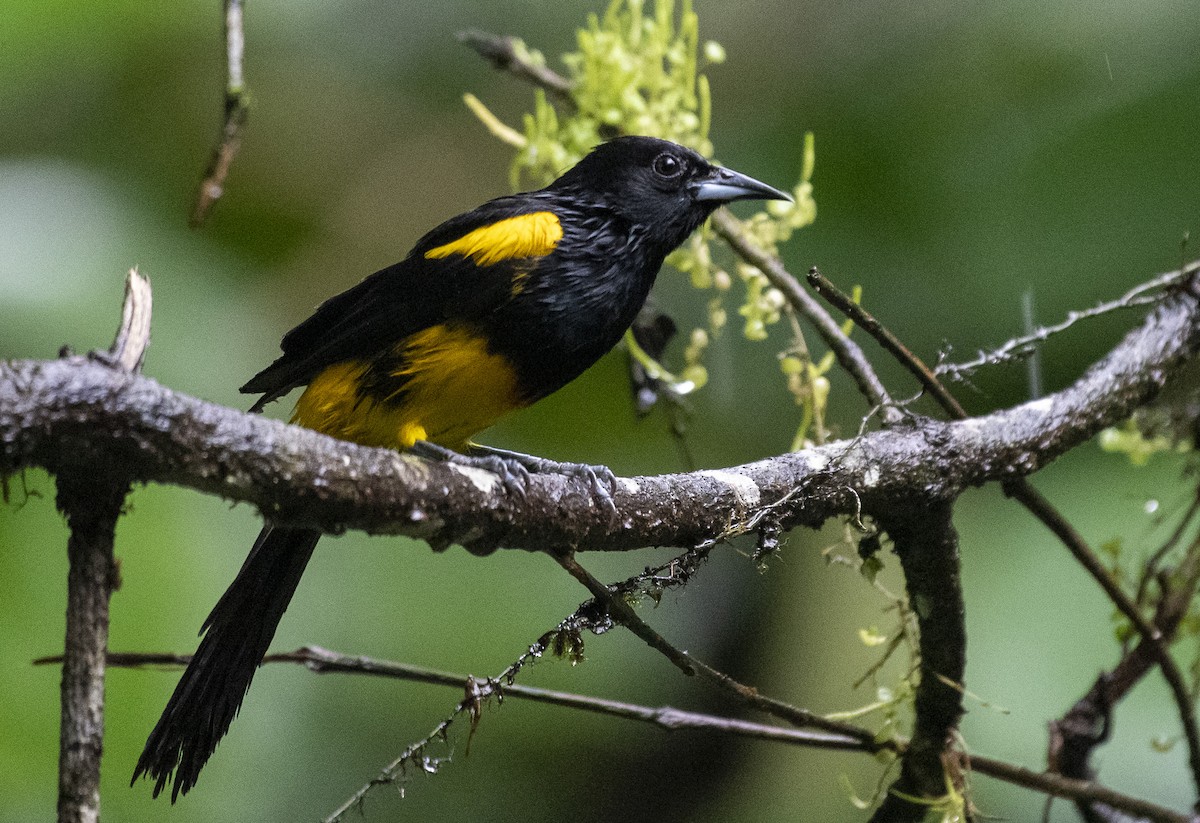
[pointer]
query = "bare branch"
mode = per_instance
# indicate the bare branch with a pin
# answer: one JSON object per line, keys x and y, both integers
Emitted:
{"x": 1021, "y": 347}
{"x": 668, "y": 718}
{"x": 927, "y": 544}
{"x": 867, "y": 322}
{"x": 237, "y": 111}
{"x": 92, "y": 502}
{"x": 848, "y": 353}
{"x": 503, "y": 53}
{"x": 614, "y": 604}
{"x": 1085, "y": 726}
{"x": 623, "y": 613}
{"x": 51, "y": 414}
{"x": 1156, "y": 637}
{"x": 1078, "y": 790}
{"x": 324, "y": 661}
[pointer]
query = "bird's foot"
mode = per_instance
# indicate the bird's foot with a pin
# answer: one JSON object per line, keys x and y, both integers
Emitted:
{"x": 513, "y": 474}
{"x": 600, "y": 479}
{"x": 514, "y": 468}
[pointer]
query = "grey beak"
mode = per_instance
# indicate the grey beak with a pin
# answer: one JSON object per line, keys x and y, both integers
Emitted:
{"x": 726, "y": 185}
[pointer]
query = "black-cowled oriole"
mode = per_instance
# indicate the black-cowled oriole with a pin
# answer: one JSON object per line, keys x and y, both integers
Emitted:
{"x": 490, "y": 311}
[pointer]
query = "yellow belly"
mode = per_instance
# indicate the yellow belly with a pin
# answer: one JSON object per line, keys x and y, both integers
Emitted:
{"x": 453, "y": 389}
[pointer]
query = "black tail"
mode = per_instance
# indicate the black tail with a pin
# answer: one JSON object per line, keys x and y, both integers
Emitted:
{"x": 236, "y": 636}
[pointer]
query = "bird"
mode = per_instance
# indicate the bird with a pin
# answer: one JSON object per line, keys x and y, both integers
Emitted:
{"x": 489, "y": 312}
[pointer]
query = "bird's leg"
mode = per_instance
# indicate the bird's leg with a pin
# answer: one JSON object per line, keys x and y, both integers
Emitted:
{"x": 514, "y": 468}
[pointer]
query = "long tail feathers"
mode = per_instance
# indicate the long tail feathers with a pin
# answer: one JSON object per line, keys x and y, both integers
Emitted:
{"x": 236, "y": 637}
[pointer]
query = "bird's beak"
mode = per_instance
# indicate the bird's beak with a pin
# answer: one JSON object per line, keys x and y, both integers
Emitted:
{"x": 726, "y": 185}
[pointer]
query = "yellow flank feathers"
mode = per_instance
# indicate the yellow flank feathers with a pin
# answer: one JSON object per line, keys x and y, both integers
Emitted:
{"x": 454, "y": 389}
{"x": 527, "y": 235}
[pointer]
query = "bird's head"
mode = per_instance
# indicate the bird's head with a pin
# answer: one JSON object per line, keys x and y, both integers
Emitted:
{"x": 661, "y": 184}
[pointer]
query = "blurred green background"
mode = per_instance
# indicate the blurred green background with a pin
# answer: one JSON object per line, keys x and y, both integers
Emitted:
{"x": 966, "y": 153}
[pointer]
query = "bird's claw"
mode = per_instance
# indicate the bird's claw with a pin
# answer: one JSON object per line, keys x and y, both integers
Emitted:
{"x": 512, "y": 473}
{"x": 515, "y": 469}
{"x": 600, "y": 479}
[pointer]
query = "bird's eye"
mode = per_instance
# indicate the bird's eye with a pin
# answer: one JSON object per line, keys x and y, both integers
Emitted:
{"x": 667, "y": 165}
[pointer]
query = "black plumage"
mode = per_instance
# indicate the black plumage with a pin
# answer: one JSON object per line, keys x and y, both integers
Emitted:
{"x": 490, "y": 311}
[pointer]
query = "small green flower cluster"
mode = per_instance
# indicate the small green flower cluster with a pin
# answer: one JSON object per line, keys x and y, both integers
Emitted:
{"x": 638, "y": 71}
{"x": 632, "y": 73}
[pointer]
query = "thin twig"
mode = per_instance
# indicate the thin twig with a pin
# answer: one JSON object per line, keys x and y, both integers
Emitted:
{"x": 504, "y": 53}
{"x": 1074, "y": 736}
{"x": 621, "y": 611}
{"x": 847, "y": 352}
{"x": 1018, "y": 489}
{"x": 1021, "y": 347}
{"x": 236, "y": 113}
{"x": 323, "y": 661}
{"x": 395, "y": 770}
{"x": 1153, "y": 637}
{"x": 1033, "y": 368}
{"x": 1031, "y": 499}
{"x": 1174, "y": 610}
{"x": 669, "y": 718}
{"x": 476, "y": 693}
{"x": 1078, "y": 790}
{"x": 1150, "y": 567}
{"x": 563, "y": 639}
{"x": 867, "y": 322}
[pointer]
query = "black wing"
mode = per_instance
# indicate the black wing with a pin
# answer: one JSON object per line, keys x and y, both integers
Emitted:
{"x": 396, "y": 302}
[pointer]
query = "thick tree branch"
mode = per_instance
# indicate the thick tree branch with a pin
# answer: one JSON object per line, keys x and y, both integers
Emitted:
{"x": 927, "y": 544}
{"x": 92, "y": 506}
{"x": 72, "y": 414}
{"x": 92, "y": 500}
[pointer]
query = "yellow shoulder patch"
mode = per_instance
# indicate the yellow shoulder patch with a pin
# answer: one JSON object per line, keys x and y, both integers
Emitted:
{"x": 527, "y": 235}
